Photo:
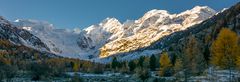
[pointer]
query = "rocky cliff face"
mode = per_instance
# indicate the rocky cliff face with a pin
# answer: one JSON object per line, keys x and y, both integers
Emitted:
{"x": 19, "y": 36}
{"x": 62, "y": 42}
{"x": 154, "y": 25}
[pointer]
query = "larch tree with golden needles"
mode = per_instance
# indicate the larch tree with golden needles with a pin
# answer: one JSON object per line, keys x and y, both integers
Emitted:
{"x": 76, "y": 67}
{"x": 165, "y": 65}
{"x": 178, "y": 65}
{"x": 238, "y": 62}
{"x": 193, "y": 58}
{"x": 238, "y": 56}
{"x": 225, "y": 50}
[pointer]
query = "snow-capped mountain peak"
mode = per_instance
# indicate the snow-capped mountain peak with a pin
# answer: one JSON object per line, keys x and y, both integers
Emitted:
{"x": 155, "y": 12}
{"x": 200, "y": 10}
{"x": 111, "y": 37}
{"x": 203, "y": 8}
{"x": 33, "y": 25}
{"x": 111, "y": 25}
{"x": 154, "y": 25}
{"x": 20, "y": 36}
{"x": 110, "y": 21}
{"x": 97, "y": 35}
{"x": 62, "y": 42}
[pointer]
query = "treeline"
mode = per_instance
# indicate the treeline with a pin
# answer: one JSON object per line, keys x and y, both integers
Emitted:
{"x": 221, "y": 53}
{"x": 192, "y": 59}
{"x": 140, "y": 67}
{"x": 19, "y": 60}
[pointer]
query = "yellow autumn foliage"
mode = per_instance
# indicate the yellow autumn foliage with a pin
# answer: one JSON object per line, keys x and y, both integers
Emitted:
{"x": 225, "y": 49}
{"x": 165, "y": 64}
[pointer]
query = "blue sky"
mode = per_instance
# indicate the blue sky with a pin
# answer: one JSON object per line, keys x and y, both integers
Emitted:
{"x": 82, "y": 13}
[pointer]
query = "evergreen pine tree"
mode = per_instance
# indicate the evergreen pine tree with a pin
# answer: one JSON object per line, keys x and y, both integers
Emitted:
{"x": 152, "y": 62}
{"x": 146, "y": 62}
{"x": 141, "y": 61}
{"x": 132, "y": 65}
{"x": 114, "y": 63}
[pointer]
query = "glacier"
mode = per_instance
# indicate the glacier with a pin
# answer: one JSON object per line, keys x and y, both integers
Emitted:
{"x": 110, "y": 36}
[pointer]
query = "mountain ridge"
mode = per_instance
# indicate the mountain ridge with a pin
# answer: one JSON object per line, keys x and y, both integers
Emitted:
{"x": 92, "y": 41}
{"x": 19, "y": 36}
{"x": 155, "y": 24}
{"x": 204, "y": 32}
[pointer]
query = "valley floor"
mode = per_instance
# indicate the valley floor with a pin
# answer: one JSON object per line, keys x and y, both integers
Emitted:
{"x": 210, "y": 76}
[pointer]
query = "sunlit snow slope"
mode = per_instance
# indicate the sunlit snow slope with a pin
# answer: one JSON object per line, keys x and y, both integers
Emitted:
{"x": 111, "y": 37}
